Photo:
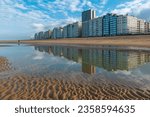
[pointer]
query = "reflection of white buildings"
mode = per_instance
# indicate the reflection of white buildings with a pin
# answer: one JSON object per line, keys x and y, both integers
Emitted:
{"x": 110, "y": 60}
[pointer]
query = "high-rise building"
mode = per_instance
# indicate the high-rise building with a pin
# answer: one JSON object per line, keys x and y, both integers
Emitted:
{"x": 70, "y": 31}
{"x": 146, "y": 26}
{"x": 76, "y": 29}
{"x": 126, "y": 25}
{"x": 47, "y": 34}
{"x": 54, "y": 33}
{"x": 99, "y": 28}
{"x": 65, "y": 32}
{"x": 95, "y": 27}
{"x": 140, "y": 26}
{"x": 110, "y": 24}
{"x": 36, "y": 36}
{"x": 86, "y": 16}
{"x": 60, "y": 32}
{"x": 41, "y": 35}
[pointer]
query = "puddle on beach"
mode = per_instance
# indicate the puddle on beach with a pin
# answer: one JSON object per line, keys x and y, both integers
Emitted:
{"x": 93, "y": 65}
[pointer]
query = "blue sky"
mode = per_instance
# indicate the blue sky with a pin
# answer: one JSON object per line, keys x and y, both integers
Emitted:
{"x": 20, "y": 19}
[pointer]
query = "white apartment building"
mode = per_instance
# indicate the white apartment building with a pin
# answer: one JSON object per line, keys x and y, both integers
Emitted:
{"x": 65, "y": 32}
{"x": 59, "y": 32}
{"x": 76, "y": 29}
{"x": 90, "y": 28}
{"x": 146, "y": 27}
{"x": 85, "y": 29}
{"x": 140, "y": 26}
{"x": 126, "y": 25}
{"x": 41, "y": 35}
{"x": 54, "y": 33}
{"x": 99, "y": 26}
{"x": 35, "y": 36}
{"x": 70, "y": 31}
{"x": 47, "y": 34}
{"x": 95, "y": 27}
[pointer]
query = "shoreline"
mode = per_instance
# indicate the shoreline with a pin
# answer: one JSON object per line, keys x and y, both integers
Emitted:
{"x": 127, "y": 41}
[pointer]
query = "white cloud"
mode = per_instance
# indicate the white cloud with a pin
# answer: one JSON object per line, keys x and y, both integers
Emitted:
{"x": 20, "y": 6}
{"x": 103, "y": 2}
{"x": 139, "y": 8}
{"x": 38, "y": 27}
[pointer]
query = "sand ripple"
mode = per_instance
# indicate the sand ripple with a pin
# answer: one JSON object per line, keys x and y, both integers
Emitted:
{"x": 31, "y": 87}
{"x": 4, "y": 64}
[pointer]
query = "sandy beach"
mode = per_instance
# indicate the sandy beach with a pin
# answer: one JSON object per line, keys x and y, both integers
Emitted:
{"x": 4, "y": 64}
{"x": 134, "y": 41}
{"x": 37, "y": 88}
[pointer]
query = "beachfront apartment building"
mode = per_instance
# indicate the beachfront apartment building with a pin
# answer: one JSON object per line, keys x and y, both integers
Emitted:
{"x": 86, "y": 16}
{"x": 126, "y": 25}
{"x": 54, "y": 33}
{"x": 110, "y": 24}
{"x": 57, "y": 33}
{"x": 40, "y": 35}
{"x": 72, "y": 30}
{"x": 36, "y": 36}
{"x": 65, "y": 32}
{"x": 140, "y": 26}
{"x": 147, "y": 27}
{"x": 95, "y": 27}
{"x": 76, "y": 29}
{"x": 47, "y": 34}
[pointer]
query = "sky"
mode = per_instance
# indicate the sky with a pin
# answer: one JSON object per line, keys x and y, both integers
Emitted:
{"x": 20, "y": 19}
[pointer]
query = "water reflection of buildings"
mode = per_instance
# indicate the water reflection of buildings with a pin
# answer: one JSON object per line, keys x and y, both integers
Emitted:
{"x": 110, "y": 60}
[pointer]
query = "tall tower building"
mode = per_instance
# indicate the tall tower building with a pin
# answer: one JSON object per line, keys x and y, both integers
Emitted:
{"x": 86, "y": 16}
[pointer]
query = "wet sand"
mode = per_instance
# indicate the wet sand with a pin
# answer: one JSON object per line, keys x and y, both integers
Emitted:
{"x": 134, "y": 41}
{"x": 4, "y": 64}
{"x": 27, "y": 87}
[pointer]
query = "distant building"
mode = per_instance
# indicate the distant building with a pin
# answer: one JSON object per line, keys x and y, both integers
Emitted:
{"x": 76, "y": 29}
{"x": 65, "y": 32}
{"x": 95, "y": 27}
{"x": 70, "y": 31}
{"x": 47, "y": 34}
{"x": 59, "y": 33}
{"x": 36, "y": 36}
{"x": 110, "y": 25}
{"x": 146, "y": 26}
{"x": 126, "y": 25}
{"x": 86, "y": 16}
{"x": 54, "y": 33}
{"x": 41, "y": 35}
{"x": 140, "y": 26}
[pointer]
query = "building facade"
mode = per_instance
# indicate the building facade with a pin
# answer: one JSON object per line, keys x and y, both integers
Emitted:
{"x": 110, "y": 25}
{"x": 126, "y": 25}
{"x": 140, "y": 26}
{"x": 146, "y": 26}
{"x": 86, "y": 16}
{"x": 76, "y": 29}
{"x": 47, "y": 34}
